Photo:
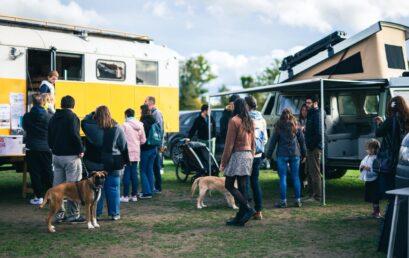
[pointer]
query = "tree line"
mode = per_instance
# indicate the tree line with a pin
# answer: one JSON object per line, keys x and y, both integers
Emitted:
{"x": 196, "y": 72}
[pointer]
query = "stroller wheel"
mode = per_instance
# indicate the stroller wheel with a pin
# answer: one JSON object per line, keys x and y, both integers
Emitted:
{"x": 180, "y": 174}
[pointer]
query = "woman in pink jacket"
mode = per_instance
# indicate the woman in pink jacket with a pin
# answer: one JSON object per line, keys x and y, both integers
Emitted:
{"x": 135, "y": 137}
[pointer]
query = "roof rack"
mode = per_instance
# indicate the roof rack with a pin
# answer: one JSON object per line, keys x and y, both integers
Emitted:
{"x": 313, "y": 49}
{"x": 47, "y": 25}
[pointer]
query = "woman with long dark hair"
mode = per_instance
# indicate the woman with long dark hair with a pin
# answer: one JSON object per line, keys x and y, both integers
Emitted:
{"x": 237, "y": 160}
{"x": 291, "y": 147}
{"x": 392, "y": 131}
{"x": 302, "y": 119}
{"x": 105, "y": 150}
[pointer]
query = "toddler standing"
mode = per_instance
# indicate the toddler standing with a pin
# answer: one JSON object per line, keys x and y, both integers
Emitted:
{"x": 370, "y": 177}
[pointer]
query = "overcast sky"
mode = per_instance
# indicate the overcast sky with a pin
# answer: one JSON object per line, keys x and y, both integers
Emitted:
{"x": 238, "y": 37}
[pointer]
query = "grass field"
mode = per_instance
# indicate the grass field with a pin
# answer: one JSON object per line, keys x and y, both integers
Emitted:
{"x": 169, "y": 225}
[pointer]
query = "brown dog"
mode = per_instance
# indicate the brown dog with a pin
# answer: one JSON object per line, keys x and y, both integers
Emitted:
{"x": 87, "y": 192}
{"x": 211, "y": 183}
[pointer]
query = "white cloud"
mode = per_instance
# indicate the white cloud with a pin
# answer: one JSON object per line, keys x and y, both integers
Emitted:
{"x": 229, "y": 68}
{"x": 158, "y": 8}
{"x": 316, "y": 14}
{"x": 52, "y": 10}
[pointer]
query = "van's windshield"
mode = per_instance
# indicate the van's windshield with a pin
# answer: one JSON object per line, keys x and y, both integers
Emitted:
{"x": 292, "y": 103}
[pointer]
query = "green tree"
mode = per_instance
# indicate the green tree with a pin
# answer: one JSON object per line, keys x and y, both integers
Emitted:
{"x": 266, "y": 77}
{"x": 194, "y": 74}
{"x": 224, "y": 100}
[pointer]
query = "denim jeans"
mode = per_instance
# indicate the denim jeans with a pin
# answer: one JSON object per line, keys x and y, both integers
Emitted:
{"x": 111, "y": 193}
{"x": 146, "y": 168}
{"x": 282, "y": 166}
{"x": 255, "y": 185}
{"x": 156, "y": 170}
{"x": 131, "y": 177}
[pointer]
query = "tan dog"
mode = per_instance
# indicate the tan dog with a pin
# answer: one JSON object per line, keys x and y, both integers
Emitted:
{"x": 211, "y": 183}
{"x": 87, "y": 192}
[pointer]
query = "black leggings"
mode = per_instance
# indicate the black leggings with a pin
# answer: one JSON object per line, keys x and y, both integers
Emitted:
{"x": 240, "y": 193}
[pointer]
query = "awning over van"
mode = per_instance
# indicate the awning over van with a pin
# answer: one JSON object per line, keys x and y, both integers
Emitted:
{"x": 308, "y": 85}
{"x": 317, "y": 85}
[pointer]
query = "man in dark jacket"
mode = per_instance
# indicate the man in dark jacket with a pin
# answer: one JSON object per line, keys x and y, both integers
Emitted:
{"x": 66, "y": 145}
{"x": 201, "y": 127}
{"x": 227, "y": 114}
{"x": 38, "y": 155}
{"x": 313, "y": 141}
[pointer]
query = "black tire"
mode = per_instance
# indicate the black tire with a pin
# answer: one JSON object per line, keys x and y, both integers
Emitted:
{"x": 175, "y": 152}
{"x": 181, "y": 175}
{"x": 334, "y": 173}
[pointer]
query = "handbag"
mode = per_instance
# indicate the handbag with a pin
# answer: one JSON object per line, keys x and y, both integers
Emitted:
{"x": 385, "y": 159}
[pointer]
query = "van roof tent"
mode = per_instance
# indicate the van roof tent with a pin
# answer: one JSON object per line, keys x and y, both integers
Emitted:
{"x": 55, "y": 26}
{"x": 316, "y": 58}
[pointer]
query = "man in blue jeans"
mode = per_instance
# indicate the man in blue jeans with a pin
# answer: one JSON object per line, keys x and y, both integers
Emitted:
{"x": 157, "y": 165}
{"x": 260, "y": 134}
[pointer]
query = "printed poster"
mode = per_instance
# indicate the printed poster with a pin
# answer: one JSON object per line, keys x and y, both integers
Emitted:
{"x": 4, "y": 116}
{"x": 17, "y": 109}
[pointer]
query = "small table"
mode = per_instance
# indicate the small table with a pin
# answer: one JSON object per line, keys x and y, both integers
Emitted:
{"x": 20, "y": 158}
{"x": 404, "y": 192}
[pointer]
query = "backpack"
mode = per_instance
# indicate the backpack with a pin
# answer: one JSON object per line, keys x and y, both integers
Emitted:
{"x": 155, "y": 135}
{"x": 259, "y": 139}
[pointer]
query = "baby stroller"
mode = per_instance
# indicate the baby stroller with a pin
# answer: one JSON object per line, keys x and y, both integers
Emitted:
{"x": 193, "y": 159}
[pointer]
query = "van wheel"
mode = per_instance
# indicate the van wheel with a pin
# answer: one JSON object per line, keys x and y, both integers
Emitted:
{"x": 333, "y": 173}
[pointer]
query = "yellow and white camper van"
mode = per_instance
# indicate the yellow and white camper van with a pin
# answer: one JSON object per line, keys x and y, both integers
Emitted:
{"x": 96, "y": 67}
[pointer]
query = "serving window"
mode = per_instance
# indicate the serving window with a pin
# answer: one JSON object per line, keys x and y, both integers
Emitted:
{"x": 111, "y": 70}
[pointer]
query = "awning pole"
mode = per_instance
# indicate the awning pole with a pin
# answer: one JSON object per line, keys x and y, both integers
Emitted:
{"x": 209, "y": 134}
{"x": 323, "y": 141}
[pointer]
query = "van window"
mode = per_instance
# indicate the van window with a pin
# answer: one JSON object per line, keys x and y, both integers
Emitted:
{"x": 394, "y": 56}
{"x": 347, "y": 106}
{"x": 371, "y": 104}
{"x": 270, "y": 105}
{"x": 146, "y": 72}
{"x": 292, "y": 103}
{"x": 69, "y": 66}
{"x": 111, "y": 70}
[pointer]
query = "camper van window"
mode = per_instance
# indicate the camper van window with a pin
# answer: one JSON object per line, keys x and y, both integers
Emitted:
{"x": 69, "y": 66}
{"x": 394, "y": 56}
{"x": 146, "y": 72}
{"x": 270, "y": 105}
{"x": 111, "y": 70}
{"x": 371, "y": 104}
{"x": 293, "y": 103}
{"x": 347, "y": 106}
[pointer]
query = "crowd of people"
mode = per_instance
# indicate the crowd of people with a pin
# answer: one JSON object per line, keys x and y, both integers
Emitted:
{"x": 298, "y": 146}
{"x": 56, "y": 153}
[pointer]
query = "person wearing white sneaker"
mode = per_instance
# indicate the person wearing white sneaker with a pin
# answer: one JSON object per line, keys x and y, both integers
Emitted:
{"x": 135, "y": 136}
{"x": 134, "y": 199}
{"x": 38, "y": 153}
{"x": 124, "y": 199}
{"x": 36, "y": 201}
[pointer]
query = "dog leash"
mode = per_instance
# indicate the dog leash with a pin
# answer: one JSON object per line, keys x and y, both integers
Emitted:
{"x": 79, "y": 193}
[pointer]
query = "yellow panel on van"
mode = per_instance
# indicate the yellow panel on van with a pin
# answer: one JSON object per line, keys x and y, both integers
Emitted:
{"x": 8, "y": 86}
